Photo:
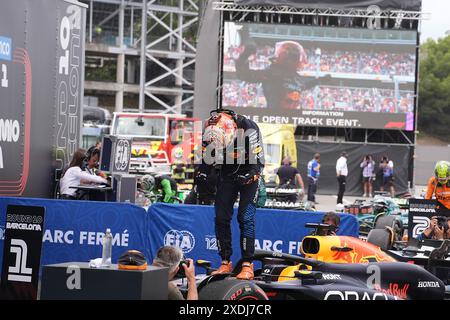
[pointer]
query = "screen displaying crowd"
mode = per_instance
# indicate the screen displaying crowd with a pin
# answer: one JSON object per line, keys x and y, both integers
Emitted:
{"x": 242, "y": 94}
{"x": 279, "y": 72}
{"x": 334, "y": 61}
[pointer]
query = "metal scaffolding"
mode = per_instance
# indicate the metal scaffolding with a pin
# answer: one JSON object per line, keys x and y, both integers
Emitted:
{"x": 228, "y": 5}
{"x": 159, "y": 37}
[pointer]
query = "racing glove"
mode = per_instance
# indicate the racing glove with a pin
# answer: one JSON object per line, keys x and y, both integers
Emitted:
{"x": 167, "y": 198}
{"x": 201, "y": 177}
{"x": 247, "y": 178}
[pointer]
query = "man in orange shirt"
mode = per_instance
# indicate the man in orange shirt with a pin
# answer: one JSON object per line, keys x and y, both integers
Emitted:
{"x": 439, "y": 186}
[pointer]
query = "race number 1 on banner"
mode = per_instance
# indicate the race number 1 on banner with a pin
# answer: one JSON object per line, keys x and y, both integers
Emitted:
{"x": 22, "y": 252}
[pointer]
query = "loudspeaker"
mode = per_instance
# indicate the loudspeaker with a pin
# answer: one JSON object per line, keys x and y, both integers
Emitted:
{"x": 124, "y": 187}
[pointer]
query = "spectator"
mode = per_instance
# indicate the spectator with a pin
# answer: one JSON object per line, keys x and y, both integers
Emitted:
{"x": 341, "y": 173}
{"x": 387, "y": 167}
{"x": 313, "y": 177}
{"x": 171, "y": 257}
{"x": 368, "y": 168}
{"x": 74, "y": 176}
{"x": 290, "y": 177}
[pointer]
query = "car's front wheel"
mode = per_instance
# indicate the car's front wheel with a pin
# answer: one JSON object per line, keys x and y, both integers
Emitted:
{"x": 231, "y": 289}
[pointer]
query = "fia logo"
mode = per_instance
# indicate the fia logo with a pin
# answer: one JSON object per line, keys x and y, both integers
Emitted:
{"x": 19, "y": 272}
{"x": 183, "y": 239}
{"x": 122, "y": 158}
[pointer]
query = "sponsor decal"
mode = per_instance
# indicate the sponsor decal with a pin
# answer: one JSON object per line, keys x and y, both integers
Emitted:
{"x": 257, "y": 150}
{"x": 353, "y": 295}
{"x": 330, "y": 276}
{"x": 395, "y": 290}
{"x": 428, "y": 284}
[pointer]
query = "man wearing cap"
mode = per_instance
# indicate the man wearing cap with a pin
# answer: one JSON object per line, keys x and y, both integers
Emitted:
{"x": 341, "y": 173}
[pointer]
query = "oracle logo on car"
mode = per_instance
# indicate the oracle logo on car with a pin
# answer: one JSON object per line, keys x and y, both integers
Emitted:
{"x": 183, "y": 239}
{"x": 353, "y": 295}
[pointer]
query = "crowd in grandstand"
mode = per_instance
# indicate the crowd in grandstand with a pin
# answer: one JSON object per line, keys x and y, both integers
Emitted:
{"x": 337, "y": 61}
{"x": 241, "y": 94}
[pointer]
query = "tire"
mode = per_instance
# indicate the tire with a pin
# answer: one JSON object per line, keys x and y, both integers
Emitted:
{"x": 381, "y": 238}
{"x": 384, "y": 221}
{"x": 232, "y": 289}
{"x": 392, "y": 222}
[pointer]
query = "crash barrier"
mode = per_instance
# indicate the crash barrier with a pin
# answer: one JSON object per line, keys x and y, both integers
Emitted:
{"x": 73, "y": 229}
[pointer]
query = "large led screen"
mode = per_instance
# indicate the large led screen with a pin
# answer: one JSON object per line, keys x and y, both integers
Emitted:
{"x": 320, "y": 76}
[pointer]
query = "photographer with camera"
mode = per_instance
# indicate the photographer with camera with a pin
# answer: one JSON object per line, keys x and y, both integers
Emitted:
{"x": 172, "y": 258}
{"x": 439, "y": 229}
{"x": 368, "y": 168}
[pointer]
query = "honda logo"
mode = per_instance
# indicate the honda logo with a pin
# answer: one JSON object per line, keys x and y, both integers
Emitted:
{"x": 19, "y": 272}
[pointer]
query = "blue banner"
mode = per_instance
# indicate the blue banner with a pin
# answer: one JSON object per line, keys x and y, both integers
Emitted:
{"x": 191, "y": 227}
{"x": 73, "y": 230}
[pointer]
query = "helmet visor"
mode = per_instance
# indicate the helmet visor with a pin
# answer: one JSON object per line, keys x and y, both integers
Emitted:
{"x": 442, "y": 180}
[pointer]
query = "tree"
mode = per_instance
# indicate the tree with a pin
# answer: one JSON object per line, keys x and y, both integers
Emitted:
{"x": 434, "y": 88}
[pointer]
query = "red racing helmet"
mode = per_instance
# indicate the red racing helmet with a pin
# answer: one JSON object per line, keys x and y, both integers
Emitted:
{"x": 290, "y": 53}
{"x": 220, "y": 130}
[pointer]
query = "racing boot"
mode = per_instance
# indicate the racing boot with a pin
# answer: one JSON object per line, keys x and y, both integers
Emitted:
{"x": 246, "y": 272}
{"x": 225, "y": 267}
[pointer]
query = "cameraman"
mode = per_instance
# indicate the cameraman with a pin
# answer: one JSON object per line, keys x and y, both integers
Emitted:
{"x": 172, "y": 257}
{"x": 439, "y": 229}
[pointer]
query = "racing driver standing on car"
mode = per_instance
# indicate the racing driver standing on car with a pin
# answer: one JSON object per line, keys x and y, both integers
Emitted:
{"x": 232, "y": 146}
{"x": 439, "y": 186}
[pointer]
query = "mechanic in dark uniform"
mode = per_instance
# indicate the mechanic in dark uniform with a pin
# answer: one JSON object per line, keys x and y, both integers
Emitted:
{"x": 290, "y": 178}
{"x": 232, "y": 144}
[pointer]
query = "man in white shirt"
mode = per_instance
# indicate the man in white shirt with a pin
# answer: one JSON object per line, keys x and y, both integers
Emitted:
{"x": 341, "y": 173}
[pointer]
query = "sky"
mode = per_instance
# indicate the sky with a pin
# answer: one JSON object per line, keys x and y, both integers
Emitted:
{"x": 439, "y": 23}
